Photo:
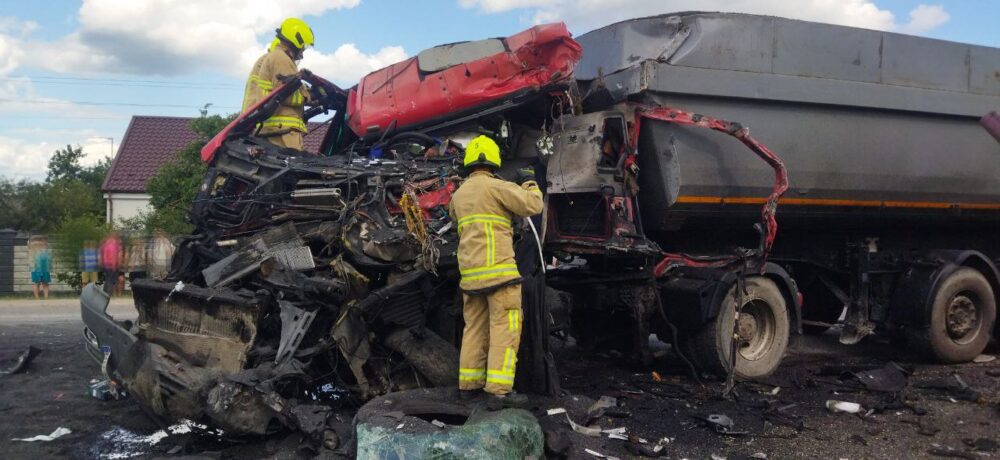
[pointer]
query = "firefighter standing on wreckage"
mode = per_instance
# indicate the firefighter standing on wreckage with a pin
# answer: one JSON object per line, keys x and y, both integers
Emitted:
{"x": 484, "y": 208}
{"x": 286, "y": 126}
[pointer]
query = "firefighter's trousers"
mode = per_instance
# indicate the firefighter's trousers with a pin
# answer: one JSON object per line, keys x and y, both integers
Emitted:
{"x": 489, "y": 343}
{"x": 291, "y": 140}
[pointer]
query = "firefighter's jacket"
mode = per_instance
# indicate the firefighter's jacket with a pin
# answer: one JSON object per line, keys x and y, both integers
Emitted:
{"x": 264, "y": 77}
{"x": 484, "y": 208}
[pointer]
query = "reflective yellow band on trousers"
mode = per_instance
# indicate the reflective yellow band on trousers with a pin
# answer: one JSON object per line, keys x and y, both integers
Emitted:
{"x": 513, "y": 320}
{"x": 500, "y": 378}
{"x": 490, "y": 271}
{"x": 471, "y": 375}
{"x": 505, "y": 376}
{"x": 285, "y": 122}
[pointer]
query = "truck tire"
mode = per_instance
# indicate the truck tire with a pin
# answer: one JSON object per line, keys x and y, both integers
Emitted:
{"x": 961, "y": 318}
{"x": 764, "y": 329}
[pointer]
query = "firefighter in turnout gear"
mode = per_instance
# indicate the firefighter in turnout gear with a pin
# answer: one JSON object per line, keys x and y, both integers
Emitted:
{"x": 286, "y": 126}
{"x": 485, "y": 208}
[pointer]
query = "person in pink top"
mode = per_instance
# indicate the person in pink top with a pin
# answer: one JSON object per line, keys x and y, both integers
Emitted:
{"x": 111, "y": 261}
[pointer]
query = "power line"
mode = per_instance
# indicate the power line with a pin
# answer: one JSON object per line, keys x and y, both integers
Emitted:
{"x": 134, "y": 85}
{"x": 125, "y": 80}
{"x": 60, "y": 117}
{"x": 122, "y": 104}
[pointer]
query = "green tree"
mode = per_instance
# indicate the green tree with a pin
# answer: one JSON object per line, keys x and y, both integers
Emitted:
{"x": 175, "y": 185}
{"x": 70, "y": 190}
{"x": 65, "y": 164}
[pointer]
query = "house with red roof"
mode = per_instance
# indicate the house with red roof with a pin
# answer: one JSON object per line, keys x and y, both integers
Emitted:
{"x": 149, "y": 143}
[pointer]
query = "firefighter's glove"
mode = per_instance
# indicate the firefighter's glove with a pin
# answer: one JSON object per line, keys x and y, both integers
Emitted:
{"x": 525, "y": 175}
{"x": 317, "y": 93}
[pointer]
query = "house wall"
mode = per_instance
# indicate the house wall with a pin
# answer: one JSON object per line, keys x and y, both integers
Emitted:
{"x": 122, "y": 206}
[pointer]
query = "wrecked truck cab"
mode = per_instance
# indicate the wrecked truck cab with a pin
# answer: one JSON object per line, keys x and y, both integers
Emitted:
{"x": 329, "y": 279}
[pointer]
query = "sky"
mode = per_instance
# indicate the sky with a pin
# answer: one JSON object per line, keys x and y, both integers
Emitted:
{"x": 75, "y": 72}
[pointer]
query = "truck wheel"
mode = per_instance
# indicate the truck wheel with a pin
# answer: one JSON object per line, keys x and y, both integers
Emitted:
{"x": 962, "y": 318}
{"x": 763, "y": 330}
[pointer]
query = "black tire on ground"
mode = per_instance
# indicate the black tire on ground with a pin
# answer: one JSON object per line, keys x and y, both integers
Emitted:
{"x": 961, "y": 318}
{"x": 765, "y": 324}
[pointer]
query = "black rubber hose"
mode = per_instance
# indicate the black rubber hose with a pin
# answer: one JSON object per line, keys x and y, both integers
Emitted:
{"x": 676, "y": 335}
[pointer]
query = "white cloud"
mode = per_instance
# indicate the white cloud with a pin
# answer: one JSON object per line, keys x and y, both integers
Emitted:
{"x": 12, "y": 31}
{"x": 25, "y": 152}
{"x": 584, "y": 15}
{"x": 924, "y": 18}
{"x": 498, "y": 6}
{"x": 23, "y": 159}
{"x": 174, "y": 37}
{"x": 348, "y": 63}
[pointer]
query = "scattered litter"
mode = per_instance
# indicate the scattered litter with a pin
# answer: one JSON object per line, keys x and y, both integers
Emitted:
{"x": 950, "y": 452}
{"x": 657, "y": 377}
{"x": 438, "y": 423}
{"x": 121, "y": 443}
{"x": 891, "y": 378}
{"x": 843, "y": 406}
{"x": 982, "y": 444}
{"x": 983, "y": 358}
{"x": 775, "y": 391}
{"x": 584, "y": 430}
{"x": 618, "y": 436}
{"x": 601, "y": 404}
{"x": 722, "y": 424}
{"x": 640, "y": 450}
{"x": 718, "y": 457}
{"x": 22, "y": 361}
{"x": 58, "y": 433}
{"x": 614, "y": 431}
{"x": 759, "y": 455}
{"x": 555, "y": 411}
{"x": 600, "y": 455}
{"x": 955, "y": 388}
{"x": 105, "y": 390}
{"x": 400, "y": 426}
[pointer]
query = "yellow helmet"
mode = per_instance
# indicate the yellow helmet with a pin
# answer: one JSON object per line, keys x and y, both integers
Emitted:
{"x": 273, "y": 44}
{"x": 295, "y": 32}
{"x": 482, "y": 151}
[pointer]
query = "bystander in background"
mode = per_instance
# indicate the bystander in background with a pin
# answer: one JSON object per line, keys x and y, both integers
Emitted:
{"x": 88, "y": 263}
{"x": 111, "y": 261}
{"x": 137, "y": 258}
{"x": 41, "y": 269}
{"x": 160, "y": 253}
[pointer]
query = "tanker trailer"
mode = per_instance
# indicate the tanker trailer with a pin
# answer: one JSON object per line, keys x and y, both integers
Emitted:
{"x": 891, "y": 224}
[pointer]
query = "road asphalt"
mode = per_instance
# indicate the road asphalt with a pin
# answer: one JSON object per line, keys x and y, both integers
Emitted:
{"x": 19, "y": 311}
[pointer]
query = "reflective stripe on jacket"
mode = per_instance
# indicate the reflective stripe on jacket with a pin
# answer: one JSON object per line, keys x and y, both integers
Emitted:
{"x": 264, "y": 77}
{"x": 484, "y": 208}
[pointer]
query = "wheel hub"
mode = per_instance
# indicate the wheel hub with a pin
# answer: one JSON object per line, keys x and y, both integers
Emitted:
{"x": 755, "y": 330}
{"x": 960, "y": 317}
{"x": 746, "y": 327}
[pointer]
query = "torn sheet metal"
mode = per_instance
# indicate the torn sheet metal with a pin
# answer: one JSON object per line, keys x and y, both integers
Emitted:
{"x": 21, "y": 363}
{"x": 294, "y": 324}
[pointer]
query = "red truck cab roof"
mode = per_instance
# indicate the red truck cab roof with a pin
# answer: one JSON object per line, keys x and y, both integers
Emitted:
{"x": 442, "y": 81}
